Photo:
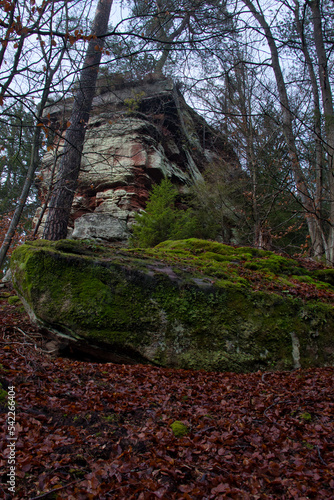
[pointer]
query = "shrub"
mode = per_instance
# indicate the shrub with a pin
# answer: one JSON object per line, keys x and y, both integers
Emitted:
{"x": 162, "y": 220}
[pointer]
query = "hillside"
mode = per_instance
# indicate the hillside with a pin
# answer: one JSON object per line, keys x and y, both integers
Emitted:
{"x": 104, "y": 431}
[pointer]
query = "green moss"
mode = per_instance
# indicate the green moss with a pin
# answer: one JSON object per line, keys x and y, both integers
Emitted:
{"x": 285, "y": 282}
{"x": 213, "y": 258}
{"x": 76, "y": 293}
{"x": 274, "y": 264}
{"x": 251, "y": 252}
{"x": 193, "y": 246}
{"x": 217, "y": 257}
{"x": 237, "y": 284}
{"x": 13, "y": 299}
{"x": 304, "y": 279}
{"x": 3, "y": 395}
{"x": 186, "y": 303}
{"x": 77, "y": 472}
{"x": 111, "y": 418}
{"x": 326, "y": 275}
{"x": 253, "y": 266}
{"x": 77, "y": 247}
{"x": 179, "y": 429}
{"x": 324, "y": 286}
{"x": 306, "y": 417}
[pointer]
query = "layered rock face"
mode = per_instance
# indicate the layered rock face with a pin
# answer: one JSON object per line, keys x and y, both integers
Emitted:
{"x": 138, "y": 133}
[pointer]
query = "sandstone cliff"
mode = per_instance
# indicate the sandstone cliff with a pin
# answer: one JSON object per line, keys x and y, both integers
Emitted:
{"x": 138, "y": 133}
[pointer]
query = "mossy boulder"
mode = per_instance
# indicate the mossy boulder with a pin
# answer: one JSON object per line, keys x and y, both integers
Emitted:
{"x": 187, "y": 304}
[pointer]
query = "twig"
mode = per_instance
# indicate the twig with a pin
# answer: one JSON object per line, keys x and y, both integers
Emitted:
{"x": 21, "y": 331}
{"x": 57, "y": 489}
{"x": 43, "y": 351}
{"x": 31, "y": 337}
{"x": 206, "y": 429}
{"x": 319, "y": 455}
{"x": 274, "y": 404}
{"x": 36, "y": 334}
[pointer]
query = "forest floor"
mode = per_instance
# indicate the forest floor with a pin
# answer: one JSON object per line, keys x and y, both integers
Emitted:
{"x": 88, "y": 430}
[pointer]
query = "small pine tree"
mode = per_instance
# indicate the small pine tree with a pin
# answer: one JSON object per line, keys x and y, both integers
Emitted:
{"x": 162, "y": 220}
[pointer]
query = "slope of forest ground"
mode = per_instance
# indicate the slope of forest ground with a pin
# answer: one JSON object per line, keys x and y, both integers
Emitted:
{"x": 87, "y": 430}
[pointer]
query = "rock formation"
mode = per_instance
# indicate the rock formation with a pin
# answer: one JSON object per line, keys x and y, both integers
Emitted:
{"x": 138, "y": 133}
{"x": 187, "y": 304}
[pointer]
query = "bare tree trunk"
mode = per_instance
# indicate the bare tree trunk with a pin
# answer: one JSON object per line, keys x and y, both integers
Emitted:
{"x": 66, "y": 184}
{"x": 23, "y": 197}
{"x": 327, "y": 101}
{"x": 319, "y": 178}
{"x": 300, "y": 182}
{"x": 165, "y": 39}
{"x": 49, "y": 190}
{"x": 248, "y": 132}
{"x": 33, "y": 163}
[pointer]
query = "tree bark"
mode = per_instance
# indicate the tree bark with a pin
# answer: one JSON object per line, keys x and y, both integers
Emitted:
{"x": 327, "y": 101}
{"x": 167, "y": 40}
{"x": 316, "y": 106}
{"x": 67, "y": 179}
{"x": 300, "y": 182}
{"x": 33, "y": 162}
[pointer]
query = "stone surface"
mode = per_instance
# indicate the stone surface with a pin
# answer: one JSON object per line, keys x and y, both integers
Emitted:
{"x": 183, "y": 304}
{"x": 138, "y": 133}
{"x": 103, "y": 226}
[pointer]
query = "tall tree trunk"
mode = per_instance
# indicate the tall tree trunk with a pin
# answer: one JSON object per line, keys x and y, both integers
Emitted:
{"x": 300, "y": 182}
{"x": 23, "y": 197}
{"x": 67, "y": 179}
{"x": 49, "y": 190}
{"x": 34, "y": 162}
{"x": 317, "y": 134}
{"x": 327, "y": 101}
